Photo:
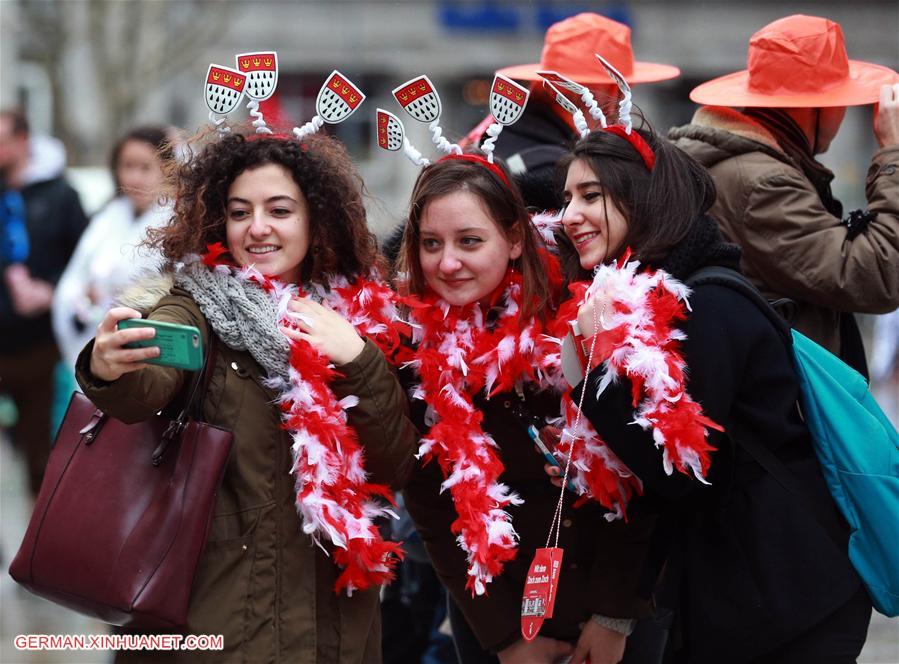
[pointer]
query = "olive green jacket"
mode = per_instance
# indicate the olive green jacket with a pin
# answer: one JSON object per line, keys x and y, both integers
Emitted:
{"x": 261, "y": 583}
{"x": 792, "y": 246}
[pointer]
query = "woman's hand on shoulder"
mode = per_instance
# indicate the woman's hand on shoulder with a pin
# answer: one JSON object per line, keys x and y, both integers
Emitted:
{"x": 109, "y": 359}
{"x": 542, "y": 650}
{"x": 328, "y": 332}
{"x": 599, "y": 645}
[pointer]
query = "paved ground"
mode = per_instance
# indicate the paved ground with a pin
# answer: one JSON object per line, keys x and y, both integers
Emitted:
{"x": 23, "y": 613}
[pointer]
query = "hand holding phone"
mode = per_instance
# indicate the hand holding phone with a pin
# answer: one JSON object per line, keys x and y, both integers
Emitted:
{"x": 547, "y": 453}
{"x": 113, "y": 354}
{"x": 109, "y": 359}
{"x": 180, "y": 346}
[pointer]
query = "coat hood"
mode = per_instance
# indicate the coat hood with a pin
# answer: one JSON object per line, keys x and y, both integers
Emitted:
{"x": 146, "y": 290}
{"x": 717, "y": 133}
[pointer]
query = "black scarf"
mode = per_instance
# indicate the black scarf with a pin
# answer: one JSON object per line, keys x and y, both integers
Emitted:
{"x": 703, "y": 245}
{"x": 794, "y": 143}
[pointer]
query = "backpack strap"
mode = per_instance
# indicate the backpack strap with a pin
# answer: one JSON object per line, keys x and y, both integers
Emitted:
{"x": 723, "y": 276}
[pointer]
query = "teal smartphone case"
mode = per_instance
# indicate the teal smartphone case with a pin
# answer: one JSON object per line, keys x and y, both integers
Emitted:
{"x": 181, "y": 346}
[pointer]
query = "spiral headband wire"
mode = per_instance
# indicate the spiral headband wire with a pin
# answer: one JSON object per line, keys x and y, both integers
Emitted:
{"x": 623, "y": 128}
{"x": 256, "y": 77}
{"x": 419, "y": 98}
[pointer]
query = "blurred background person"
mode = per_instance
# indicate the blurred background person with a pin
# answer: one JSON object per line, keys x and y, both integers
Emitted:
{"x": 41, "y": 220}
{"x": 109, "y": 254}
{"x": 774, "y": 196}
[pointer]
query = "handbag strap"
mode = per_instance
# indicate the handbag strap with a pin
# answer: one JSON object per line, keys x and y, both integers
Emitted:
{"x": 193, "y": 406}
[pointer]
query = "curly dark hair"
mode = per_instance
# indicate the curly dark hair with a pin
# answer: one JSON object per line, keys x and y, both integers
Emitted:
{"x": 506, "y": 208}
{"x": 339, "y": 243}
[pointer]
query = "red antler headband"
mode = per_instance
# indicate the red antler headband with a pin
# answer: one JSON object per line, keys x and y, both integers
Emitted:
{"x": 624, "y": 128}
{"x": 637, "y": 141}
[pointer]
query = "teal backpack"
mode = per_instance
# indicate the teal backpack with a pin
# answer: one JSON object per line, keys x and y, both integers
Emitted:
{"x": 856, "y": 444}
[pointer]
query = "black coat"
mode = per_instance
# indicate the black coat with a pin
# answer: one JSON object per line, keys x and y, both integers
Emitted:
{"x": 748, "y": 566}
{"x": 54, "y": 221}
{"x": 602, "y": 561}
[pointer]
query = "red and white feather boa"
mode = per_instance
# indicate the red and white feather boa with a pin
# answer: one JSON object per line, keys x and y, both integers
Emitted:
{"x": 638, "y": 338}
{"x": 457, "y": 355}
{"x": 333, "y": 498}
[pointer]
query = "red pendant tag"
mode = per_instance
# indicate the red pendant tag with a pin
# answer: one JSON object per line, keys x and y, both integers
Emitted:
{"x": 539, "y": 596}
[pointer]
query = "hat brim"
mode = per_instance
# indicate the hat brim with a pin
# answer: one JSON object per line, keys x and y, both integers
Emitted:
{"x": 863, "y": 87}
{"x": 644, "y": 72}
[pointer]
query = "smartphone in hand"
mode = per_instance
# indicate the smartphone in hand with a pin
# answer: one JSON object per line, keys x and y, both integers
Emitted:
{"x": 547, "y": 454}
{"x": 180, "y": 346}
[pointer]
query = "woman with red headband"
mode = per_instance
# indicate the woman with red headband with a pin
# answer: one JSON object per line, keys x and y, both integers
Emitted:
{"x": 484, "y": 372}
{"x": 679, "y": 390}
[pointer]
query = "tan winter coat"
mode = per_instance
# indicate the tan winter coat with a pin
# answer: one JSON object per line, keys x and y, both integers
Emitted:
{"x": 261, "y": 582}
{"x": 792, "y": 246}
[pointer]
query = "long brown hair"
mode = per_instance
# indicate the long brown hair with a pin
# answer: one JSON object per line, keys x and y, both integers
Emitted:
{"x": 505, "y": 207}
{"x": 340, "y": 242}
{"x": 660, "y": 206}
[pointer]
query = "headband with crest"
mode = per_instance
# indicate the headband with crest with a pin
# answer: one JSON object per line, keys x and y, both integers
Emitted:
{"x": 419, "y": 98}
{"x": 337, "y": 100}
{"x": 507, "y": 102}
{"x": 261, "y": 72}
{"x": 256, "y": 77}
{"x": 392, "y": 137}
{"x": 223, "y": 91}
{"x": 624, "y": 126}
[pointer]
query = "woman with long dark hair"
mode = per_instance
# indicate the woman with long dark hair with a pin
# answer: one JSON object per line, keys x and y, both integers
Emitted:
{"x": 683, "y": 395}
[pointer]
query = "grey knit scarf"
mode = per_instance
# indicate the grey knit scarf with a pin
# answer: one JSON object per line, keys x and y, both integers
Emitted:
{"x": 240, "y": 313}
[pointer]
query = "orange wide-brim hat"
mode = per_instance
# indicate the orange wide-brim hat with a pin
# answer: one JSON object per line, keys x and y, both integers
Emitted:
{"x": 569, "y": 46}
{"x": 798, "y": 62}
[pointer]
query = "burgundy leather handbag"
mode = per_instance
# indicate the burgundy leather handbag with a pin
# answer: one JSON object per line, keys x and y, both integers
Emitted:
{"x": 124, "y": 512}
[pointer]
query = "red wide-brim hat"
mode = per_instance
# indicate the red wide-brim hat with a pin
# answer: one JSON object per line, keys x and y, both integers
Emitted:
{"x": 798, "y": 62}
{"x": 569, "y": 48}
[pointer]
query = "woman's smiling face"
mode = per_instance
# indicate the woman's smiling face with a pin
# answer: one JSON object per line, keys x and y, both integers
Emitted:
{"x": 592, "y": 220}
{"x": 268, "y": 222}
{"x": 464, "y": 254}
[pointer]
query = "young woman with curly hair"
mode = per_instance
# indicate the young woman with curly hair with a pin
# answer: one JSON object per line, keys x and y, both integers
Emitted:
{"x": 287, "y": 295}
